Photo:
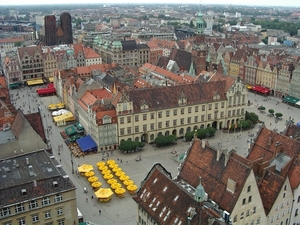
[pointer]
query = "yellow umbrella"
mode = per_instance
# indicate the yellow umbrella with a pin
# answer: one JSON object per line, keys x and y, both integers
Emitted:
{"x": 124, "y": 177}
{"x": 116, "y": 169}
{"x": 111, "y": 181}
{"x": 85, "y": 168}
{"x": 103, "y": 168}
{"x": 108, "y": 176}
{"x": 96, "y": 184}
{"x": 89, "y": 174}
{"x": 115, "y": 185}
{"x": 132, "y": 187}
{"x": 92, "y": 179}
{"x": 104, "y": 194}
{"x": 100, "y": 164}
{"x": 106, "y": 172}
{"x": 112, "y": 165}
{"x": 111, "y": 161}
{"x": 128, "y": 182}
{"x": 120, "y": 191}
{"x": 120, "y": 173}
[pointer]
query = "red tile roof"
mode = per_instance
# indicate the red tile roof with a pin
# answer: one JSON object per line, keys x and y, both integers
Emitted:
{"x": 202, "y": 162}
{"x": 12, "y": 40}
{"x": 90, "y": 53}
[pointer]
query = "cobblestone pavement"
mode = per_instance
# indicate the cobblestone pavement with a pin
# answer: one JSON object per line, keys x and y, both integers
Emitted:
{"x": 124, "y": 211}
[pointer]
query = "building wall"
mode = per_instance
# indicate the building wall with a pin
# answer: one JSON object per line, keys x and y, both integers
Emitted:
{"x": 50, "y": 65}
{"x": 12, "y": 72}
{"x": 250, "y": 71}
{"x": 62, "y": 207}
{"x": 93, "y": 61}
{"x": 281, "y": 210}
{"x": 283, "y": 82}
{"x": 249, "y": 208}
{"x": 66, "y": 25}
{"x": 50, "y": 30}
{"x": 295, "y": 83}
{"x": 295, "y": 214}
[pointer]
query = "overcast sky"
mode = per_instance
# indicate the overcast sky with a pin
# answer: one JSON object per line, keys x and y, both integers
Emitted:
{"x": 294, "y": 3}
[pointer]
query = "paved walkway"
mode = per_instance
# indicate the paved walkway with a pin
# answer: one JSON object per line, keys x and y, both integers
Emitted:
{"x": 124, "y": 211}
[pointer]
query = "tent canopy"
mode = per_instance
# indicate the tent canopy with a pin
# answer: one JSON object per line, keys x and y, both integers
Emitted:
{"x": 260, "y": 89}
{"x": 79, "y": 126}
{"x": 87, "y": 144}
{"x": 291, "y": 100}
{"x": 70, "y": 130}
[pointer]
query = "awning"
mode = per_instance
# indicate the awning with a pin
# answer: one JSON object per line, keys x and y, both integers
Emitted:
{"x": 35, "y": 82}
{"x": 291, "y": 100}
{"x": 15, "y": 85}
{"x": 51, "y": 79}
{"x": 70, "y": 130}
{"x": 260, "y": 89}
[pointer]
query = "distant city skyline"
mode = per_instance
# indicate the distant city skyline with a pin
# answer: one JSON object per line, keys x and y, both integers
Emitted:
{"x": 291, "y": 3}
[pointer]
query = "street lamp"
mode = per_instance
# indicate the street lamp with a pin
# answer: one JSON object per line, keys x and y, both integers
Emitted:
{"x": 72, "y": 162}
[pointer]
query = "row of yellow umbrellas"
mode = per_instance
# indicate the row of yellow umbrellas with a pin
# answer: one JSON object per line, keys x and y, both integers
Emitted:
{"x": 108, "y": 176}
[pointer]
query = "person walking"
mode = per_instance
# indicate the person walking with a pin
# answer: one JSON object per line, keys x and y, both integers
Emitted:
{"x": 99, "y": 211}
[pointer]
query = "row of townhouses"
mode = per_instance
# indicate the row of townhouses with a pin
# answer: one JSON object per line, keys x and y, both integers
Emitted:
{"x": 262, "y": 188}
{"x": 113, "y": 114}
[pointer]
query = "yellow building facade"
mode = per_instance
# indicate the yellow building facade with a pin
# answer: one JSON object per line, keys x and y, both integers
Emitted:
{"x": 144, "y": 114}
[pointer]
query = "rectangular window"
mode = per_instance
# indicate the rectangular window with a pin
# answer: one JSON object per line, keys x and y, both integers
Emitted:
{"x": 182, "y": 110}
{"x": 19, "y": 208}
{"x": 167, "y": 113}
{"x": 254, "y": 210}
{"x": 128, "y": 119}
{"x": 145, "y": 127}
{"x": 189, "y": 109}
{"x": 175, "y": 112}
{"x": 174, "y": 123}
{"x": 244, "y": 201}
{"x": 121, "y": 120}
{"x": 222, "y": 104}
{"x": 128, "y": 130}
{"x": 189, "y": 119}
{"x": 229, "y": 113}
{"x": 47, "y": 214}
{"x": 196, "y": 119}
{"x": 248, "y": 212}
{"x": 7, "y": 223}
{"x": 122, "y": 131}
{"x": 57, "y": 198}
{"x": 59, "y": 211}
{"x": 203, "y": 108}
{"x": 202, "y": 117}
{"x": 159, "y": 114}
{"x": 35, "y": 218}
{"x": 5, "y": 212}
{"x": 182, "y": 121}
{"x": 222, "y": 114}
{"x": 233, "y": 112}
{"x": 152, "y": 126}
{"x": 196, "y": 108}
{"x": 238, "y": 112}
{"x": 136, "y": 118}
{"x": 61, "y": 222}
{"x": 249, "y": 188}
{"x": 159, "y": 124}
{"x": 167, "y": 123}
{"x": 209, "y": 116}
{"x": 209, "y": 106}
{"x": 21, "y": 221}
{"x": 249, "y": 199}
{"x": 216, "y": 105}
{"x": 144, "y": 116}
{"x": 136, "y": 129}
{"x": 242, "y": 111}
{"x": 152, "y": 116}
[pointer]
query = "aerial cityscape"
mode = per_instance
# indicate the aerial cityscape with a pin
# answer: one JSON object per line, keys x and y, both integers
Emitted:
{"x": 150, "y": 114}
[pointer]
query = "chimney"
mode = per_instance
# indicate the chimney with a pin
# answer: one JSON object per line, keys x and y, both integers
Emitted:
{"x": 34, "y": 183}
{"x": 219, "y": 153}
{"x": 27, "y": 160}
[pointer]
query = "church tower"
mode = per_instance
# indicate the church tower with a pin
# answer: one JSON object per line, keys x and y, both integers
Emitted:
{"x": 199, "y": 48}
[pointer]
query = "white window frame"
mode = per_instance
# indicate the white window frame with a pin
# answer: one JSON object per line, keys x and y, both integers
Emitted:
{"x": 19, "y": 208}
{"x": 45, "y": 201}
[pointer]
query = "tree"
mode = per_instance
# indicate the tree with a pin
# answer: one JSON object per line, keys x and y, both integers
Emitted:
{"x": 251, "y": 116}
{"x": 18, "y": 44}
{"x": 271, "y": 111}
{"x": 278, "y": 115}
{"x": 162, "y": 140}
{"x": 129, "y": 145}
{"x": 262, "y": 108}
